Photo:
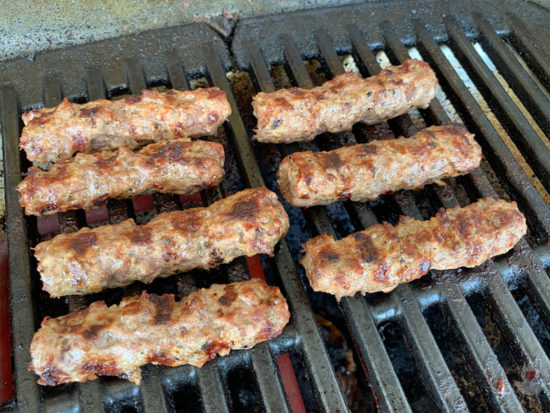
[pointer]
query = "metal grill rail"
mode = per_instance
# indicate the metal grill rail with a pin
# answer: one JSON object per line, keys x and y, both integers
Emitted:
{"x": 362, "y": 316}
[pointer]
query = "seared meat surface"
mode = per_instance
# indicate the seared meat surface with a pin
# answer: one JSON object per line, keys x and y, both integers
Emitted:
{"x": 55, "y": 134}
{"x": 383, "y": 256}
{"x": 87, "y": 180}
{"x": 118, "y": 340}
{"x": 365, "y": 171}
{"x": 247, "y": 223}
{"x": 295, "y": 114}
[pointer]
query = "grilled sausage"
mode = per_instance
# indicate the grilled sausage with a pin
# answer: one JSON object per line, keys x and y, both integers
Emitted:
{"x": 87, "y": 180}
{"x": 383, "y": 256}
{"x": 366, "y": 171}
{"x": 55, "y": 134}
{"x": 118, "y": 340}
{"x": 290, "y": 115}
{"x": 247, "y": 223}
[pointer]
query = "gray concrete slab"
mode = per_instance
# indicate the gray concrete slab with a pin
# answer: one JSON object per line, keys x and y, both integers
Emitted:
{"x": 27, "y": 27}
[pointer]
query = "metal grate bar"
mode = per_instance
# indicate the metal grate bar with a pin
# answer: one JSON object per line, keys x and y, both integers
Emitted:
{"x": 537, "y": 279}
{"x": 27, "y": 390}
{"x": 176, "y": 74}
{"x": 269, "y": 382}
{"x": 90, "y": 396}
{"x": 510, "y": 172}
{"x": 249, "y": 168}
{"x": 535, "y": 150}
{"x": 152, "y": 393}
{"x": 329, "y": 54}
{"x": 211, "y": 388}
{"x": 516, "y": 76}
{"x": 315, "y": 353}
{"x": 529, "y": 49}
{"x": 119, "y": 393}
{"x": 517, "y": 327}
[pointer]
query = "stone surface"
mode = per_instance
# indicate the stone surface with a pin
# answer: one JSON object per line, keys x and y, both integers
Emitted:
{"x": 29, "y": 27}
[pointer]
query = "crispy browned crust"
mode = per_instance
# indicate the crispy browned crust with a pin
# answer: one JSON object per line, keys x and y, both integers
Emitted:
{"x": 87, "y": 180}
{"x": 247, "y": 223}
{"x": 290, "y": 115}
{"x": 118, "y": 340}
{"x": 366, "y": 171}
{"x": 383, "y": 256}
{"x": 55, "y": 134}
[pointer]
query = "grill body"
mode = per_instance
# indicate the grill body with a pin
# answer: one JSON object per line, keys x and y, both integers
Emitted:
{"x": 172, "y": 57}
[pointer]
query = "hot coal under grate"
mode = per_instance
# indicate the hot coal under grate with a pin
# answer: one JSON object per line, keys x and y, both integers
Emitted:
{"x": 453, "y": 341}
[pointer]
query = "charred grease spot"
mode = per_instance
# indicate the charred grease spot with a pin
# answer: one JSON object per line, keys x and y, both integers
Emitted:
{"x": 245, "y": 209}
{"x": 215, "y": 257}
{"x": 171, "y": 151}
{"x": 276, "y": 123}
{"x": 91, "y": 333}
{"x": 214, "y": 93}
{"x": 369, "y": 149}
{"x": 102, "y": 368}
{"x": 330, "y": 160}
{"x": 105, "y": 164}
{"x": 187, "y": 222}
{"x": 214, "y": 347}
{"x": 52, "y": 376}
{"x": 429, "y": 133}
{"x": 160, "y": 357}
{"x": 296, "y": 92}
{"x": 163, "y": 308}
{"x": 365, "y": 247}
{"x": 81, "y": 242}
{"x": 141, "y": 235}
{"x": 228, "y": 297}
{"x": 89, "y": 114}
{"x": 132, "y": 99}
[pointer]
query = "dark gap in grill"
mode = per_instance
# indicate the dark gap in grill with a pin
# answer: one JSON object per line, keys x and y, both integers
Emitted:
{"x": 351, "y": 378}
{"x": 405, "y": 368}
{"x": 116, "y": 92}
{"x": 447, "y": 340}
{"x": 515, "y": 373}
{"x": 533, "y": 318}
{"x": 186, "y": 398}
{"x": 243, "y": 390}
{"x": 129, "y": 409}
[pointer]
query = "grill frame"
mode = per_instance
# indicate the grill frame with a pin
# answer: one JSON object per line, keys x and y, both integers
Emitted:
{"x": 363, "y": 319}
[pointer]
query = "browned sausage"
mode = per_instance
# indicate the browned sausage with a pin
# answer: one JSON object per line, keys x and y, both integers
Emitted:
{"x": 366, "y": 171}
{"x": 247, "y": 223}
{"x": 383, "y": 256}
{"x": 290, "y": 115}
{"x": 87, "y": 180}
{"x": 118, "y": 340}
{"x": 55, "y": 134}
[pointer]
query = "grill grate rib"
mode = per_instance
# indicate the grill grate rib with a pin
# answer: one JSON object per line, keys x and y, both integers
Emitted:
{"x": 406, "y": 306}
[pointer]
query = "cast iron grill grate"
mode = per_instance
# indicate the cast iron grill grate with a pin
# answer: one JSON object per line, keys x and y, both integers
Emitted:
{"x": 411, "y": 307}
